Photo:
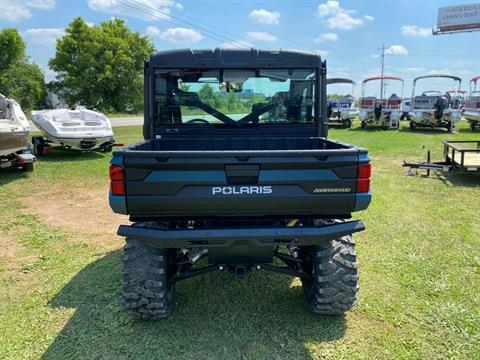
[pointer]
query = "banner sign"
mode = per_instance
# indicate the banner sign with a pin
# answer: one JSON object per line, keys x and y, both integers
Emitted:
{"x": 458, "y": 17}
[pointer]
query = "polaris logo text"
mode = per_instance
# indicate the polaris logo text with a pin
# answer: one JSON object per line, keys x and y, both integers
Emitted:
{"x": 241, "y": 190}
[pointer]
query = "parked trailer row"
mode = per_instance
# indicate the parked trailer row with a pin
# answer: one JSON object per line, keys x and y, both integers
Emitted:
{"x": 428, "y": 109}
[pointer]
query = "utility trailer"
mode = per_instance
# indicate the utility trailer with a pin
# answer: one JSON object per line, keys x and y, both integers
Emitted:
{"x": 342, "y": 111}
{"x": 238, "y": 188}
{"x": 471, "y": 111}
{"x": 459, "y": 156}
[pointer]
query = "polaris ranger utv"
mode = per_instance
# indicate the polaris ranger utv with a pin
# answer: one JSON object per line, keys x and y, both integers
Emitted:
{"x": 236, "y": 169}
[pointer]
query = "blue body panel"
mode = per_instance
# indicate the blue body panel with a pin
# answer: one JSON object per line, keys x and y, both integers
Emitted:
{"x": 118, "y": 204}
{"x": 362, "y": 201}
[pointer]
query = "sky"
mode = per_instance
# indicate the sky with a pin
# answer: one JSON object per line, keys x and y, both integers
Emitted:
{"x": 348, "y": 34}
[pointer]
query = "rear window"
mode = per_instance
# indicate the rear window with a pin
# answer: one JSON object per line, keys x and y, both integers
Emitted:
{"x": 235, "y": 97}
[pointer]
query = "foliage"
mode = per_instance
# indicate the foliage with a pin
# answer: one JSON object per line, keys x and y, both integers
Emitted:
{"x": 24, "y": 82}
{"x": 101, "y": 66}
{"x": 336, "y": 96}
{"x": 20, "y": 79}
{"x": 226, "y": 103}
{"x": 12, "y": 48}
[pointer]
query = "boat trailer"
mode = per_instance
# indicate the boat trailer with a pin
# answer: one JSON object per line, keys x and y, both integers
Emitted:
{"x": 459, "y": 156}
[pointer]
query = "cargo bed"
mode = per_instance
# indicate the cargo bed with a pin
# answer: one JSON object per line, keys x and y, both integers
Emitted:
{"x": 241, "y": 176}
{"x": 200, "y": 144}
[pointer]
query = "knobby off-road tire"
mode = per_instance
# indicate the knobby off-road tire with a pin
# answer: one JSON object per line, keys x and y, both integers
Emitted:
{"x": 334, "y": 285}
{"x": 147, "y": 293}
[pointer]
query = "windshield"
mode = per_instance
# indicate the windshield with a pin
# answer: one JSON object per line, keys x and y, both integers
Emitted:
{"x": 235, "y": 97}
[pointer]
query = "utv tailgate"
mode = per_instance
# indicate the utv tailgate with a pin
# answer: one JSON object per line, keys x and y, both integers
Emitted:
{"x": 240, "y": 183}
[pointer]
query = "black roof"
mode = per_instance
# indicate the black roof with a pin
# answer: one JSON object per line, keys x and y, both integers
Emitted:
{"x": 234, "y": 58}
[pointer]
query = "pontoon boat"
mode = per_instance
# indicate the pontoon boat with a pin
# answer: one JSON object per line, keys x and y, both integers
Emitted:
{"x": 380, "y": 110}
{"x": 472, "y": 105}
{"x": 405, "y": 109}
{"x": 14, "y": 132}
{"x": 344, "y": 110}
{"x": 79, "y": 129}
{"x": 436, "y": 109}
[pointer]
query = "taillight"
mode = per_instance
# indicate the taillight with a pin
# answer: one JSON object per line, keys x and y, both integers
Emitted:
{"x": 363, "y": 177}
{"x": 117, "y": 180}
{"x": 364, "y": 171}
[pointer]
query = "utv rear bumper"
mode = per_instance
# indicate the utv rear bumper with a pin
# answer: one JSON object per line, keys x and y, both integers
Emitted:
{"x": 252, "y": 237}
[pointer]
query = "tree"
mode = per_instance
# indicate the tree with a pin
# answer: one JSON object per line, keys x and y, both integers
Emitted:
{"x": 209, "y": 96}
{"x": 232, "y": 102}
{"x": 336, "y": 96}
{"x": 24, "y": 82}
{"x": 20, "y": 79}
{"x": 184, "y": 87}
{"x": 12, "y": 48}
{"x": 101, "y": 66}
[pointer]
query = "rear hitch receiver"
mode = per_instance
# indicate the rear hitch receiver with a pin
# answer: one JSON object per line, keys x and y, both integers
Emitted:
{"x": 241, "y": 270}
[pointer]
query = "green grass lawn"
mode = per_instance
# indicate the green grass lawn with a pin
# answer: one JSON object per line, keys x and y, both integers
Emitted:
{"x": 60, "y": 272}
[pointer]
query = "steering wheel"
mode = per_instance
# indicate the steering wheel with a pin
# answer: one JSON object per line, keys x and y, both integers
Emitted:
{"x": 198, "y": 121}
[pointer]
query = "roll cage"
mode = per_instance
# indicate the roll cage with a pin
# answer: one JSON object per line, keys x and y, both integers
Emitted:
{"x": 231, "y": 59}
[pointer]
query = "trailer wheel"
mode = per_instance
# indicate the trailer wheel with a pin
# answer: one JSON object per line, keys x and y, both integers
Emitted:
{"x": 413, "y": 126}
{"x": 472, "y": 126}
{"x": 333, "y": 287}
{"x": 27, "y": 167}
{"x": 38, "y": 144}
{"x": 450, "y": 127}
{"x": 347, "y": 123}
{"x": 147, "y": 292}
{"x": 363, "y": 124}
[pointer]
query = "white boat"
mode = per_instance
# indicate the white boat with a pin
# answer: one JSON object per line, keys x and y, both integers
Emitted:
{"x": 435, "y": 108}
{"x": 79, "y": 129}
{"x": 381, "y": 110}
{"x": 342, "y": 111}
{"x": 14, "y": 133}
{"x": 472, "y": 104}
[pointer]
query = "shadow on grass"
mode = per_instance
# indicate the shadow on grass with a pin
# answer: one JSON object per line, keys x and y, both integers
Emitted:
{"x": 451, "y": 179}
{"x": 215, "y": 316}
{"x": 461, "y": 179}
{"x": 425, "y": 130}
{"x": 372, "y": 128}
{"x": 468, "y": 131}
{"x": 11, "y": 174}
{"x": 60, "y": 155}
